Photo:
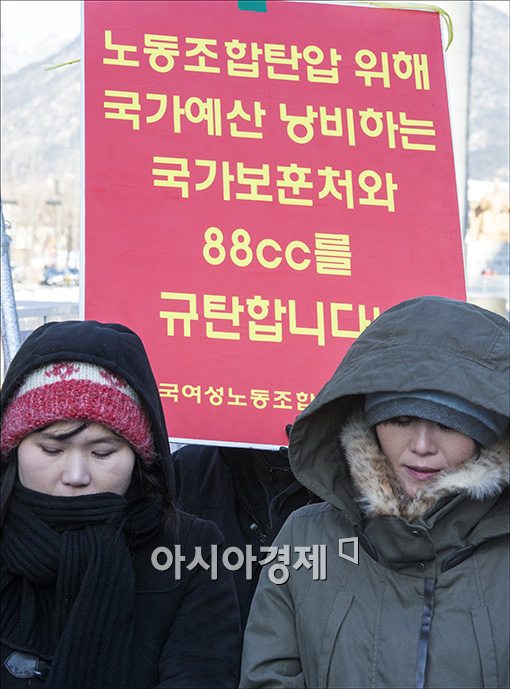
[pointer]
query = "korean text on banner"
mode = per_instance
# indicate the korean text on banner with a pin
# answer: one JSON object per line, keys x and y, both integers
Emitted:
{"x": 259, "y": 186}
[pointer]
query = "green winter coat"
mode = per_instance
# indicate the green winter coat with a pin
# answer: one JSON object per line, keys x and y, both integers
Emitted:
{"x": 427, "y": 604}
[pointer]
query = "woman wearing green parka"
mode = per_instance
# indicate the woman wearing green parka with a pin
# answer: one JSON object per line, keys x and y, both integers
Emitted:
{"x": 407, "y": 444}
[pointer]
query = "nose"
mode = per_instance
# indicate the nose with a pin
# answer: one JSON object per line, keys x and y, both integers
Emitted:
{"x": 76, "y": 471}
{"x": 423, "y": 438}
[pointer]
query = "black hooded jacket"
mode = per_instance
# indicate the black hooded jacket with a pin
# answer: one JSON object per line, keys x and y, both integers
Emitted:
{"x": 247, "y": 492}
{"x": 110, "y": 345}
{"x": 187, "y": 627}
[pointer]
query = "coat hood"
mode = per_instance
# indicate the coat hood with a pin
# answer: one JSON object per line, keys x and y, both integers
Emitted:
{"x": 481, "y": 478}
{"x": 430, "y": 343}
{"x": 114, "y": 347}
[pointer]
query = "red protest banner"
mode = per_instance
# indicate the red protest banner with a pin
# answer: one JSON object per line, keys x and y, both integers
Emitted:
{"x": 258, "y": 187}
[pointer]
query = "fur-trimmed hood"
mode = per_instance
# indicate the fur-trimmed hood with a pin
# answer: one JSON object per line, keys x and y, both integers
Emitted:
{"x": 379, "y": 493}
{"x": 429, "y": 343}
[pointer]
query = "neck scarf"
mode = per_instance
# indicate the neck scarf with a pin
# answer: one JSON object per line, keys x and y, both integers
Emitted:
{"x": 67, "y": 583}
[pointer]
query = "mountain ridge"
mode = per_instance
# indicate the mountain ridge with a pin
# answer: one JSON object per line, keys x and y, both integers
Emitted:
{"x": 41, "y": 128}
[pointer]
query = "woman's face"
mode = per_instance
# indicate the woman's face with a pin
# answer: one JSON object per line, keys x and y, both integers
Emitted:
{"x": 94, "y": 460}
{"x": 418, "y": 450}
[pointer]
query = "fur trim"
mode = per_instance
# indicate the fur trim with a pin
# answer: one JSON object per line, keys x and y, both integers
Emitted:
{"x": 480, "y": 478}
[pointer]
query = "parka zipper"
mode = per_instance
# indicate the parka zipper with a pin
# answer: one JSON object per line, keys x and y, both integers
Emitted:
{"x": 255, "y": 525}
{"x": 429, "y": 586}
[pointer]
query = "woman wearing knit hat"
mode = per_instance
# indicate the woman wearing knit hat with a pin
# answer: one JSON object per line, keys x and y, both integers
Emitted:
{"x": 87, "y": 501}
{"x": 408, "y": 446}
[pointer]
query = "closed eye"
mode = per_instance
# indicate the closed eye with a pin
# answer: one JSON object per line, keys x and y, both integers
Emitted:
{"x": 446, "y": 429}
{"x": 52, "y": 451}
{"x": 400, "y": 420}
{"x": 103, "y": 455}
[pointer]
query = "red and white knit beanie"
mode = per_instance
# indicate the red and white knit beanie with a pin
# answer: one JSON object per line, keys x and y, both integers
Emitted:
{"x": 72, "y": 390}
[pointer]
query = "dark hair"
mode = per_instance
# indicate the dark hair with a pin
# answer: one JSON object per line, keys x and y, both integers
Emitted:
{"x": 148, "y": 481}
{"x": 8, "y": 473}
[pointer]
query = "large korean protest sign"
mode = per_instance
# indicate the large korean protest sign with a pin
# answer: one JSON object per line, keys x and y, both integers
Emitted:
{"x": 259, "y": 186}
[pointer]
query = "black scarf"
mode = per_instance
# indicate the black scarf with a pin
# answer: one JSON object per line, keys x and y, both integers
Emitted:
{"x": 67, "y": 583}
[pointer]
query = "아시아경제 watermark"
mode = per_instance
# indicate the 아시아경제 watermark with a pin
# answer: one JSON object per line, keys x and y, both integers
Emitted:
{"x": 280, "y": 559}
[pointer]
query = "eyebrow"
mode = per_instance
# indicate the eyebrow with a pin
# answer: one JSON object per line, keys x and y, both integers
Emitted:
{"x": 93, "y": 441}
{"x": 51, "y": 436}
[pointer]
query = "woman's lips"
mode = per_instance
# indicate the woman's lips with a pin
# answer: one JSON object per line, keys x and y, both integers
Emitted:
{"x": 421, "y": 473}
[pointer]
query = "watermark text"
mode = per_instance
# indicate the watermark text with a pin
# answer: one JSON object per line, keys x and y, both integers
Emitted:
{"x": 279, "y": 559}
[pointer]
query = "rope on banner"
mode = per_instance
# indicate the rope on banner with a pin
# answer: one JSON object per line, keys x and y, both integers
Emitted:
{"x": 417, "y": 6}
{"x": 62, "y": 64}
